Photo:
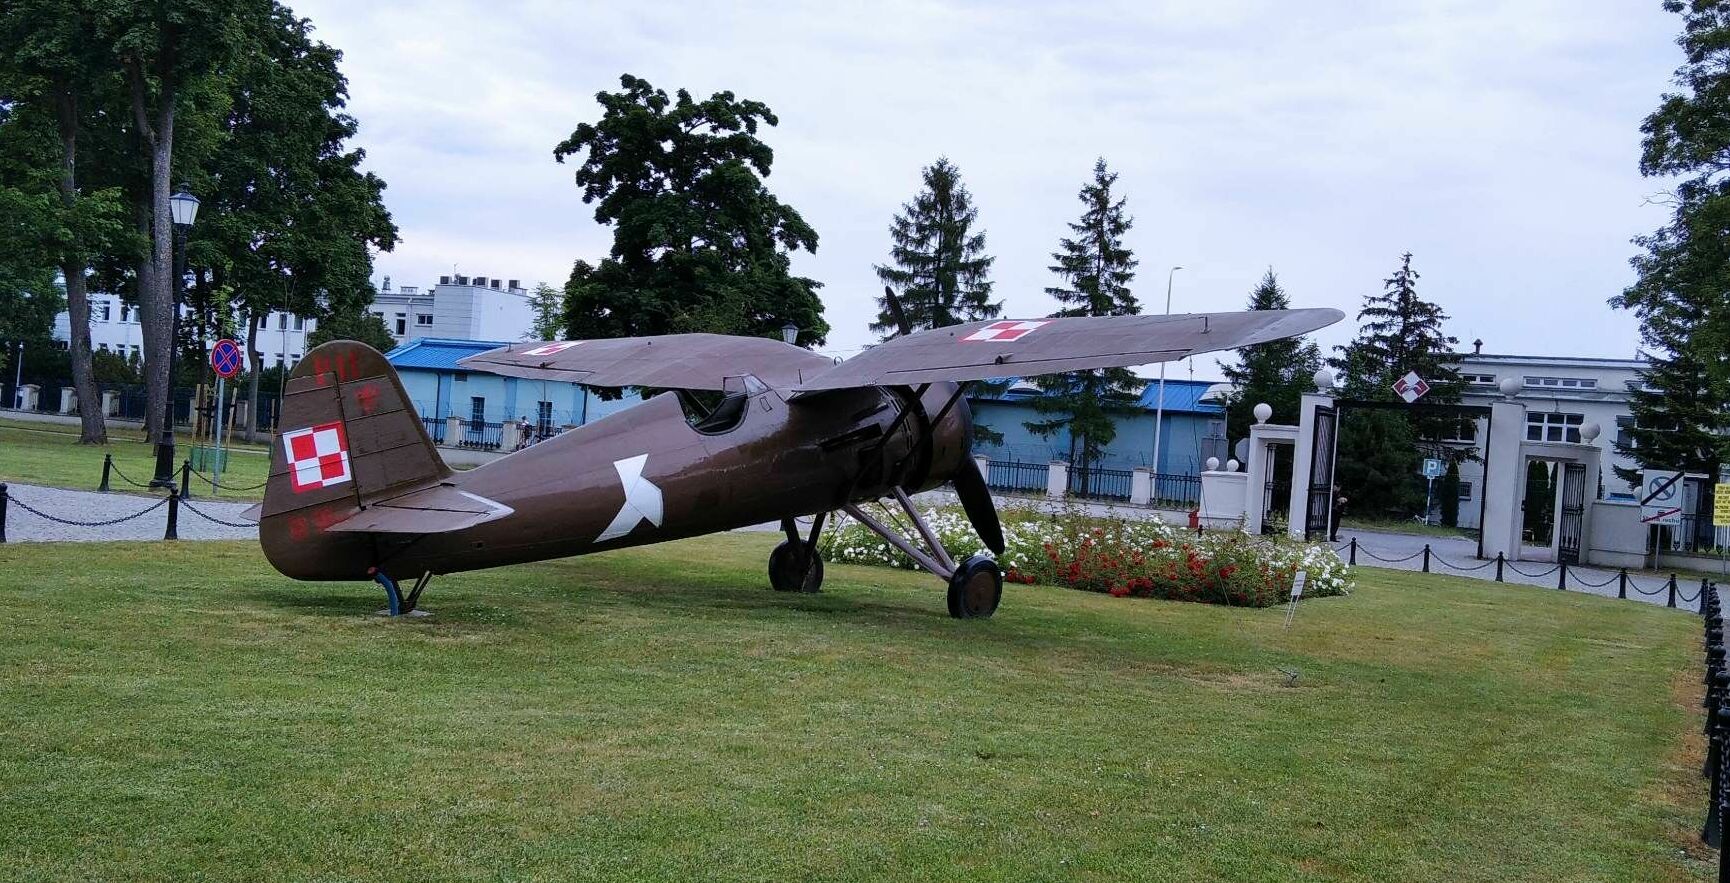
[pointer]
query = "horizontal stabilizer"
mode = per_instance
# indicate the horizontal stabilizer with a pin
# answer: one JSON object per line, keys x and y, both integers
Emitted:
{"x": 438, "y": 509}
{"x": 1028, "y": 347}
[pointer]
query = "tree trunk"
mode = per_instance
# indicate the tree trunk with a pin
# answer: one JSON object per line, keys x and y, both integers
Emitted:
{"x": 156, "y": 285}
{"x": 256, "y": 359}
{"x": 93, "y": 425}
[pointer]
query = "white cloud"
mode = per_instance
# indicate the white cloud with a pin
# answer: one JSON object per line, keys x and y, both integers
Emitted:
{"x": 1496, "y": 141}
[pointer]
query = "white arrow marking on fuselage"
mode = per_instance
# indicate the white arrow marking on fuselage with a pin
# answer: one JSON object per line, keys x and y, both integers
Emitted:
{"x": 642, "y": 499}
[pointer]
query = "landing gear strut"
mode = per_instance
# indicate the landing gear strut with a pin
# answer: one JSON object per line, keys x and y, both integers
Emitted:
{"x": 975, "y": 586}
{"x": 400, "y": 605}
{"x": 796, "y": 565}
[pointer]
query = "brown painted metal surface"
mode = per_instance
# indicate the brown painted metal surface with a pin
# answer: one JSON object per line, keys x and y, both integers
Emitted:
{"x": 357, "y": 486}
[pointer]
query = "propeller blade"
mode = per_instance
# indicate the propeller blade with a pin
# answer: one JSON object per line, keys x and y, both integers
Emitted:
{"x": 895, "y": 311}
{"x": 976, "y": 500}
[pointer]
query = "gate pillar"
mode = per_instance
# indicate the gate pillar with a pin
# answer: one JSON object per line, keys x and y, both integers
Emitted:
{"x": 1316, "y": 408}
{"x": 1504, "y": 469}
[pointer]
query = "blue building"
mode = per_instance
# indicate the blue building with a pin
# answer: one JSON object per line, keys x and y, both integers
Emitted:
{"x": 1193, "y": 429}
{"x": 439, "y": 388}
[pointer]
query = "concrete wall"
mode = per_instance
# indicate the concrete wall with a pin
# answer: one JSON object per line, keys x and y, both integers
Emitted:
{"x": 1184, "y": 449}
{"x": 1223, "y": 495}
{"x": 1615, "y": 537}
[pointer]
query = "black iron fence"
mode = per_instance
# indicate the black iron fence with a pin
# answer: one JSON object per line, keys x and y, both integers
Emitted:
{"x": 1176, "y": 491}
{"x": 482, "y": 436}
{"x": 1100, "y": 484}
{"x": 435, "y": 429}
{"x": 1017, "y": 477}
{"x": 1717, "y": 702}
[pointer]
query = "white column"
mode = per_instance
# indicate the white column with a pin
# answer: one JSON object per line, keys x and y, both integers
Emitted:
{"x": 1303, "y": 455}
{"x": 1141, "y": 486}
{"x": 510, "y": 436}
{"x": 110, "y": 403}
{"x": 1503, "y": 484}
{"x": 32, "y": 393}
{"x": 1255, "y": 483}
{"x": 984, "y": 464}
{"x": 68, "y": 399}
{"x": 453, "y": 431}
{"x": 1057, "y": 480}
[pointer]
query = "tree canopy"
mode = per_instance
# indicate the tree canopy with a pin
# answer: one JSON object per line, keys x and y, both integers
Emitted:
{"x": 699, "y": 242}
{"x": 937, "y": 260}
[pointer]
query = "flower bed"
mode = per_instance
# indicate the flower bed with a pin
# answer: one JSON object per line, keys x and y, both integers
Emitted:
{"x": 1148, "y": 558}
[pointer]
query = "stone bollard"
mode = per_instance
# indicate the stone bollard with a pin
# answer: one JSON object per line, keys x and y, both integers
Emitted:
{"x": 453, "y": 431}
{"x": 68, "y": 399}
{"x": 1057, "y": 480}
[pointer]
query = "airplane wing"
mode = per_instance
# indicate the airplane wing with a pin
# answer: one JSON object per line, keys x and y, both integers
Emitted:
{"x": 671, "y": 361}
{"x": 1025, "y": 347}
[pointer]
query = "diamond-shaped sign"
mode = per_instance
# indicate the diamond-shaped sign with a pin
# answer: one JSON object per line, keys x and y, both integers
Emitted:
{"x": 1411, "y": 387}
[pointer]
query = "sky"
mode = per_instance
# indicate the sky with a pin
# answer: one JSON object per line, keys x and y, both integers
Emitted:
{"x": 1496, "y": 141}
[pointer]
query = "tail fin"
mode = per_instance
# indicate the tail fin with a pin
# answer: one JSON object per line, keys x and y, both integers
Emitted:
{"x": 347, "y": 436}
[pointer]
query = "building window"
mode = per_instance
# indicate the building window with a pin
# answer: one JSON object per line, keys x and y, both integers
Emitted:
{"x": 282, "y": 321}
{"x": 1561, "y": 383}
{"x": 102, "y": 346}
{"x": 279, "y": 360}
{"x": 401, "y": 324}
{"x": 1554, "y": 427}
{"x": 1465, "y": 430}
{"x": 312, "y": 324}
{"x": 543, "y": 419}
{"x": 423, "y": 319}
{"x": 1625, "y": 431}
{"x": 125, "y": 313}
{"x": 1479, "y": 379}
{"x": 459, "y": 376}
{"x": 293, "y": 359}
{"x": 1465, "y": 490}
{"x": 477, "y": 410}
{"x": 299, "y": 324}
{"x": 101, "y": 311}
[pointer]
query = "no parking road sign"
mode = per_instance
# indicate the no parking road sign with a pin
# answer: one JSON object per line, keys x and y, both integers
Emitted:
{"x": 1661, "y": 497}
{"x": 225, "y": 357}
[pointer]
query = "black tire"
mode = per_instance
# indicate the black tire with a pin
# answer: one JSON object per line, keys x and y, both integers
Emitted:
{"x": 787, "y": 564}
{"x": 976, "y": 588}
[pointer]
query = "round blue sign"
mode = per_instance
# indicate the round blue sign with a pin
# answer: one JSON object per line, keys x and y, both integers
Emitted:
{"x": 225, "y": 357}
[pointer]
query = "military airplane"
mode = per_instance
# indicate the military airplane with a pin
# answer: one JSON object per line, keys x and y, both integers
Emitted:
{"x": 748, "y": 431}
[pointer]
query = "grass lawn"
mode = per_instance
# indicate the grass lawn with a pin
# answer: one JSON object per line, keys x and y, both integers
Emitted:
{"x": 171, "y": 711}
{"x": 1407, "y": 526}
{"x": 48, "y": 453}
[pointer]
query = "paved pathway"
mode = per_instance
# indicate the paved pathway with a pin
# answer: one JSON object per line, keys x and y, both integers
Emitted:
{"x": 1458, "y": 556}
{"x": 90, "y": 507}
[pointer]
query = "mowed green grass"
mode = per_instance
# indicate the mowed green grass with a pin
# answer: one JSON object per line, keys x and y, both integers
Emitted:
{"x": 49, "y": 454}
{"x": 177, "y": 711}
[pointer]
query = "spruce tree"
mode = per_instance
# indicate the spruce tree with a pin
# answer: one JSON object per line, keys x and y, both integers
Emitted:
{"x": 1379, "y": 451}
{"x": 1680, "y": 410}
{"x": 1094, "y": 268}
{"x": 1278, "y": 372}
{"x": 937, "y": 262}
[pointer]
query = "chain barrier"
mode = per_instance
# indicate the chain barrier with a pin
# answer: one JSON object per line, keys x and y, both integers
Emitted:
{"x": 1443, "y": 562}
{"x": 124, "y": 477}
{"x": 1635, "y": 585}
{"x": 229, "y": 487}
{"x": 1376, "y": 557}
{"x": 1592, "y": 585}
{"x": 243, "y": 525}
{"x": 76, "y": 523}
{"x": 1541, "y": 573}
{"x": 1566, "y": 577}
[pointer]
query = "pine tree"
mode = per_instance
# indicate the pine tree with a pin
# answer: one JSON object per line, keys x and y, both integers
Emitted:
{"x": 1278, "y": 372}
{"x": 1682, "y": 410}
{"x": 1097, "y": 268}
{"x": 1379, "y": 451}
{"x": 937, "y": 262}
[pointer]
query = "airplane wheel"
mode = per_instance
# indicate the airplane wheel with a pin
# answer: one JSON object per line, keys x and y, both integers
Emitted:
{"x": 975, "y": 589}
{"x": 787, "y": 563}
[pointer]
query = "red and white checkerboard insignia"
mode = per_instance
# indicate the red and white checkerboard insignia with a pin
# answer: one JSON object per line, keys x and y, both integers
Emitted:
{"x": 1006, "y": 330}
{"x": 317, "y": 456}
{"x": 551, "y": 348}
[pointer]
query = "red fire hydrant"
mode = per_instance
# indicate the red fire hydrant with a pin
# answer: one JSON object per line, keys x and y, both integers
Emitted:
{"x": 1195, "y": 520}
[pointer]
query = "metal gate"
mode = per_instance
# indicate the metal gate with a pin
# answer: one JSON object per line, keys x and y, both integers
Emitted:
{"x": 1321, "y": 477}
{"x": 1276, "y": 493}
{"x": 1573, "y": 513}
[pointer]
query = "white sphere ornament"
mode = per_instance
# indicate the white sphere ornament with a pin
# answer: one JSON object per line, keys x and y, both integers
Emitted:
{"x": 1262, "y": 412}
{"x": 1510, "y": 386}
{"x": 1213, "y": 464}
{"x": 1590, "y": 431}
{"x": 1231, "y": 465}
{"x": 1324, "y": 380}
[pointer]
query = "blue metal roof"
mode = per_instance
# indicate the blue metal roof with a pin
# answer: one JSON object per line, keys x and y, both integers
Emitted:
{"x": 437, "y": 353}
{"x": 1180, "y": 395}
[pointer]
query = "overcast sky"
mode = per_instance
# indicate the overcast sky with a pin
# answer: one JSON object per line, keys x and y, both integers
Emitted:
{"x": 1497, "y": 141}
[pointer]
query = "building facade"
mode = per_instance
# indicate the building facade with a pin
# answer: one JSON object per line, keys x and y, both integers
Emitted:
{"x": 1562, "y": 395}
{"x": 1193, "y": 428}
{"x": 440, "y": 388}
{"x": 457, "y": 308}
{"x": 114, "y": 328}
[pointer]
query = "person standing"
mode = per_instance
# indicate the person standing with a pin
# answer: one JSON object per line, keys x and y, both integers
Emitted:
{"x": 1334, "y": 513}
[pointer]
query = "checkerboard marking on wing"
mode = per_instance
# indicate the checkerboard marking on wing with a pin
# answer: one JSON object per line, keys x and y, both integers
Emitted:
{"x": 1007, "y": 330}
{"x": 317, "y": 456}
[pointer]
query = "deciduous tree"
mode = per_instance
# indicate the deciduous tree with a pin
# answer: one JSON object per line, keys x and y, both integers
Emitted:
{"x": 699, "y": 242}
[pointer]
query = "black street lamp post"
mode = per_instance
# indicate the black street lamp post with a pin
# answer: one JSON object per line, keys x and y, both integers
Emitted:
{"x": 184, "y": 208}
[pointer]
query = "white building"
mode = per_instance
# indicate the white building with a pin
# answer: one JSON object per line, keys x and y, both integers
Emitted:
{"x": 1561, "y": 394}
{"x": 457, "y": 308}
{"x": 114, "y": 328}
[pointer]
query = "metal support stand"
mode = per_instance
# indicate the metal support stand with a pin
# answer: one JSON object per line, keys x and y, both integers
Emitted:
{"x": 390, "y": 590}
{"x": 918, "y": 555}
